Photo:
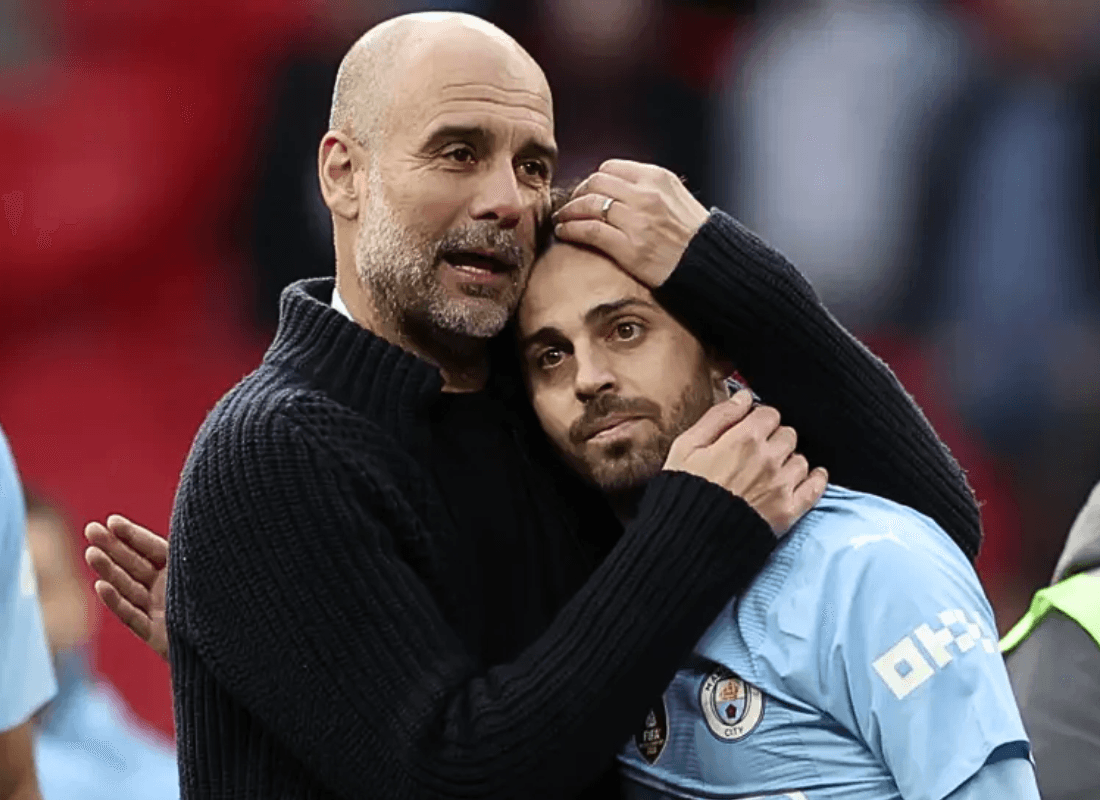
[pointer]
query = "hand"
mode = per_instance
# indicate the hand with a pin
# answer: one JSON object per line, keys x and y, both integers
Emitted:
{"x": 131, "y": 562}
{"x": 648, "y": 226}
{"x": 748, "y": 452}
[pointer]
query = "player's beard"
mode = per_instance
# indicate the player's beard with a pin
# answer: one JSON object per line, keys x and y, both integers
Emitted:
{"x": 625, "y": 466}
{"x": 400, "y": 267}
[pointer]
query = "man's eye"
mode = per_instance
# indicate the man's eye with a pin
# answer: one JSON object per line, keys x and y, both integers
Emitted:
{"x": 625, "y": 331}
{"x": 548, "y": 359}
{"x": 463, "y": 155}
{"x": 535, "y": 169}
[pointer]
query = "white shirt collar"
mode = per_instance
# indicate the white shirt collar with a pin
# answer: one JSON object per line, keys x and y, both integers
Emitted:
{"x": 338, "y": 303}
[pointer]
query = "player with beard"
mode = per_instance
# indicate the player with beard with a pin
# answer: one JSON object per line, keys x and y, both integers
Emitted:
{"x": 376, "y": 586}
{"x": 861, "y": 663}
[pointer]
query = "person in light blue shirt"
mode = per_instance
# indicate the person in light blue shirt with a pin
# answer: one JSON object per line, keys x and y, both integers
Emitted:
{"x": 88, "y": 744}
{"x": 26, "y": 676}
{"x": 862, "y": 663}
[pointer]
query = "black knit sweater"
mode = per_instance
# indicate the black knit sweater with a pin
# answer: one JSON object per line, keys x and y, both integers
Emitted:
{"x": 317, "y": 601}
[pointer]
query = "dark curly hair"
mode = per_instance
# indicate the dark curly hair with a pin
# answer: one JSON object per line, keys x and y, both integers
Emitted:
{"x": 559, "y": 196}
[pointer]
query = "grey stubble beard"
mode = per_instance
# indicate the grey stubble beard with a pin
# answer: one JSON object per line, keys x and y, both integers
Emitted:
{"x": 400, "y": 272}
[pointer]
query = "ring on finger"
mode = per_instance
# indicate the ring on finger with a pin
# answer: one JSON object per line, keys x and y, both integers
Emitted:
{"x": 606, "y": 207}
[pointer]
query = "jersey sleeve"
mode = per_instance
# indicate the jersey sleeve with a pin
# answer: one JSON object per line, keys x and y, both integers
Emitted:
{"x": 26, "y": 674}
{"x": 1011, "y": 779}
{"x": 909, "y": 652}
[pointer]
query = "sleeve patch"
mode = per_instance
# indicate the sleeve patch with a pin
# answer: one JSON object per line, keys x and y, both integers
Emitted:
{"x": 904, "y": 667}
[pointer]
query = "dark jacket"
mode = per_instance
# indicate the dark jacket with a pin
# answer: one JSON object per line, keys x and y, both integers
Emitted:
{"x": 1055, "y": 673}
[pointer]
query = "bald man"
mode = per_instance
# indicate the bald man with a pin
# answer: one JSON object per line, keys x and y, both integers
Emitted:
{"x": 380, "y": 584}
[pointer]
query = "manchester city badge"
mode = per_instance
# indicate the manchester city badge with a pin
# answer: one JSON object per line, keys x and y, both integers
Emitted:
{"x": 653, "y": 736}
{"x": 731, "y": 707}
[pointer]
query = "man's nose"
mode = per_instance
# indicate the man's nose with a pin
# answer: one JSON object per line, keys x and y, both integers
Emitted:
{"x": 499, "y": 197}
{"x": 593, "y": 375}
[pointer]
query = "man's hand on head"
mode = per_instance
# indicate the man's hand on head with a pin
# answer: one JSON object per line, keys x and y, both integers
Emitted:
{"x": 745, "y": 450}
{"x": 640, "y": 215}
{"x": 131, "y": 562}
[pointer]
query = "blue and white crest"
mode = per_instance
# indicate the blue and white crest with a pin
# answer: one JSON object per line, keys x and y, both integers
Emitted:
{"x": 731, "y": 707}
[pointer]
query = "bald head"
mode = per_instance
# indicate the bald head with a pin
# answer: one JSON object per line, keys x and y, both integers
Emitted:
{"x": 369, "y": 76}
{"x": 437, "y": 169}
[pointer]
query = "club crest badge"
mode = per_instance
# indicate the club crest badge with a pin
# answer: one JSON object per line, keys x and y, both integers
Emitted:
{"x": 653, "y": 736}
{"x": 731, "y": 707}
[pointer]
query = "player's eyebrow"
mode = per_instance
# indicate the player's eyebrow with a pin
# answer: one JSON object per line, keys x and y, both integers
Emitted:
{"x": 603, "y": 310}
{"x": 547, "y": 334}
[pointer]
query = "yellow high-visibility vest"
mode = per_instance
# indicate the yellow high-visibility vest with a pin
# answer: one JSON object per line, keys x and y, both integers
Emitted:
{"x": 1078, "y": 597}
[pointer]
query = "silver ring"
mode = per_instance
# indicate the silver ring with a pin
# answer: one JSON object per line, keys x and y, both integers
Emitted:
{"x": 606, "y": 207}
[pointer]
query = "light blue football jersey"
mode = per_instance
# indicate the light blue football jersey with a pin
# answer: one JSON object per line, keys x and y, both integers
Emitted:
{"x": 862, "y": 663}
{"x": 26, "y": 671}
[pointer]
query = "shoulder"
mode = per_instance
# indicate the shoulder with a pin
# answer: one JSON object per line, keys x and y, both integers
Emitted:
{"x": 273, "y": 413}
{"x": 866, "y": 539}
{"x": 894, "y": 637}
{"x": 892, "y": 599}
{"x": 861, "y": 560}
{"x": 271, "y": 392}
{"x": 273, "y": 438}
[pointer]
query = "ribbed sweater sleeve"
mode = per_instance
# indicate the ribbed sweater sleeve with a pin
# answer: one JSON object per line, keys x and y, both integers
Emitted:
{"x": 851, "y": 413}
{"x": 286, "y": 581}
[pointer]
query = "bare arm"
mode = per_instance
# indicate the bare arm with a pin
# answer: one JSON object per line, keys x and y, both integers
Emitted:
{"x": 17, "y": 778}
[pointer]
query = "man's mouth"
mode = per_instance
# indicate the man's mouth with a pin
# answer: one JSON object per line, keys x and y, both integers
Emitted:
{"x": 479, "y": 263}
{"x": 609, "y": 426}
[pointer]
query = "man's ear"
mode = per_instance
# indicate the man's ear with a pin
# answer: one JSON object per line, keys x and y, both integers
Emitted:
{"x": 720, "y": 369}
{"x": 338, "y": 162}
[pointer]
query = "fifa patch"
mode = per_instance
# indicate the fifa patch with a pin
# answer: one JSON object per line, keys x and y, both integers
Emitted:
{"x": 731, "y": 707}
{"x": 653, "y": 736}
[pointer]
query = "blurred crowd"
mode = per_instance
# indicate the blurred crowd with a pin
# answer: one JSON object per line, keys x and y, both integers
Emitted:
{"x": 932, "y": 167}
